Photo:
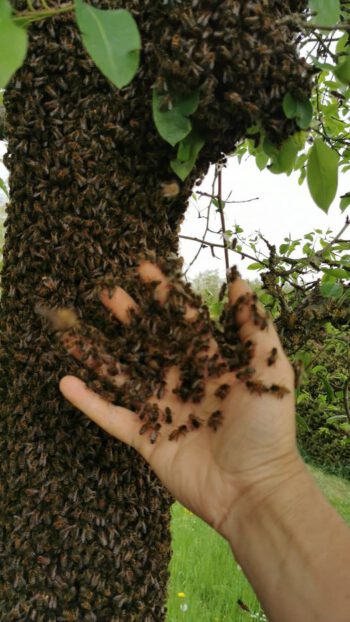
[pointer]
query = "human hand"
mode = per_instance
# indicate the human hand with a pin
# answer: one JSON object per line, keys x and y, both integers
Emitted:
{"x": 211, "y": 460}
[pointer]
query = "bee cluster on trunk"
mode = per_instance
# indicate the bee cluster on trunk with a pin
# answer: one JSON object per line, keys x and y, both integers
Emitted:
{"x": 84, "y": 521}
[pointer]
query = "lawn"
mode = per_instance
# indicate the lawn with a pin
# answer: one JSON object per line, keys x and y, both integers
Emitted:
{"x": 206, "y": 582}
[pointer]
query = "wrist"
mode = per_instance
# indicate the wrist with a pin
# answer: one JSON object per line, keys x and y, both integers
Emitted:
{"x": 275, "y": 484}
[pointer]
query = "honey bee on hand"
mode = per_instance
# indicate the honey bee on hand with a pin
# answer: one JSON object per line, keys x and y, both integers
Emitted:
{"x": 272, "y": 358}
{"x": 279, "y": 391}
{"x": 195, "y": 422}
{"x": 215, "y": 420}
{"x": 180, "y": 431}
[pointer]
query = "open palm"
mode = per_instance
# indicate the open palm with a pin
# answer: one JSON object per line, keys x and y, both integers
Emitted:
{"x": 210, "y": 461}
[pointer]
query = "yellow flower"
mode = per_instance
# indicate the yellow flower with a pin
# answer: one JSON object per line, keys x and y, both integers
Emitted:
{"x": 181, "y": 594}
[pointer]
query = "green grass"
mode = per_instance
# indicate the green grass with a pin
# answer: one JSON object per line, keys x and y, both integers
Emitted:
{"x": 203, "y": 568}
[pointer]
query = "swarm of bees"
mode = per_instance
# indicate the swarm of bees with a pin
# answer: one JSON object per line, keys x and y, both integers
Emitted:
{"x": 91, "y": 194}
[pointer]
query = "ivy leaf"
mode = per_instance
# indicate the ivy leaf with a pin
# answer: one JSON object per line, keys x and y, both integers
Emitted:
{"x": 327, "y": 12}
{"x": 174, "y": 125}
{"x": 13, "y": 44}
{"x": 344, "y": 201}
{"x": 322, "y": 174}
{"x": 112, "y": 39}
{"x": 190, "y": 148}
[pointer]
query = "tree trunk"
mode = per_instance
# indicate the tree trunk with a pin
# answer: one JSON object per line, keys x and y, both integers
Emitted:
{"x": 84, "y": 521}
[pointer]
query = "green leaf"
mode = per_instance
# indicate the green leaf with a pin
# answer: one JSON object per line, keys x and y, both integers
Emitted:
{"x": 302, "y": 423}
{"x": 261, "y": 160}
{"x": 174, "y": 125}
{"x": 338, "y": 273}
{"x": 342, "y": 71}
{"x": 255, "y": 266}
{"x": 112, "y": 39}
{"x": 322, "y": 174}
{"x": 328, "y": 389}
{"x": 344, "y": 201}
{"x": 327, "y": 12}
{"x": 302, "y": 111}
{"x": 13, "y": 44}
{"x": 283, "y": 249}
{"x": 286, "y": 156}
{"x": 4, "y": 187}
{"x": 190, "y": 146}
{"x": 331, "y": 290}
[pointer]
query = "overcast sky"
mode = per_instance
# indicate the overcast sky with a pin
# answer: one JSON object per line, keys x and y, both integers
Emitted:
{"x": 283, "y": 207}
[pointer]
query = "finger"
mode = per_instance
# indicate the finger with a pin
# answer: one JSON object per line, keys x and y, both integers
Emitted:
{"x": 269, "y": 355}
{"x": 117, "y": 421}
{"x": 250, "y": 315}
{"x": 96, "y": 359}
{"x": 149, "y": 273}
{"x": 120, "y": 303}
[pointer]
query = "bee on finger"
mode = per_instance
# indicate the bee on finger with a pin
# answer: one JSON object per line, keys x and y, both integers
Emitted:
{"x": 273, "y": 357}
{"x": 245, "y": 374}
{"x": 222, "y": 391}
{"x": 176, "y": 434}
{"x": 215, "y": 420}
{"x": 155, "y": 433}
{"x": 195, "y": 422}
{"x": 256, "y": 387}
{"x": 279, "y": 391}
{"x": 168, "y": 418}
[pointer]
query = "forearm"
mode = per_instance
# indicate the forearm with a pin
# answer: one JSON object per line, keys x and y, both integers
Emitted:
{"x": 295, "y": 551}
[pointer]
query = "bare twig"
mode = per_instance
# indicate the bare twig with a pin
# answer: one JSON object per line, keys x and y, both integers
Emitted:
{"x": 221, "y": 206}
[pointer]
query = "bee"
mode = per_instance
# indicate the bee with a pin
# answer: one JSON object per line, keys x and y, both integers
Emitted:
{"x": 167, "y": 415}
{"x": 245, "y": 374}
{"x": 170, "y": 189}
{"x": 272, "y": 358}
{"x": 195, "y": 422}
{"x": 166, "y": 103}
{"x": 155, "y": 433}
{"x": 146, "y": 426}
{"x": 222, "y": 391}
{"x": 256, "y": 387}
{"x": 258, "y": 319}
{"x": 242, "y": 605}
{"x": 215, "y": 420}
{"x": 222, "y": 291}
{"x": 278, "y": 391}
{"x": 180, "y": 431}
{"x": 176, "y": 42}
{"x": 60, "y": 320}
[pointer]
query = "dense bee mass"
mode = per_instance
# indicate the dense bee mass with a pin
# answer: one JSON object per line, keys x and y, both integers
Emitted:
{"x": 84, "y": 522}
